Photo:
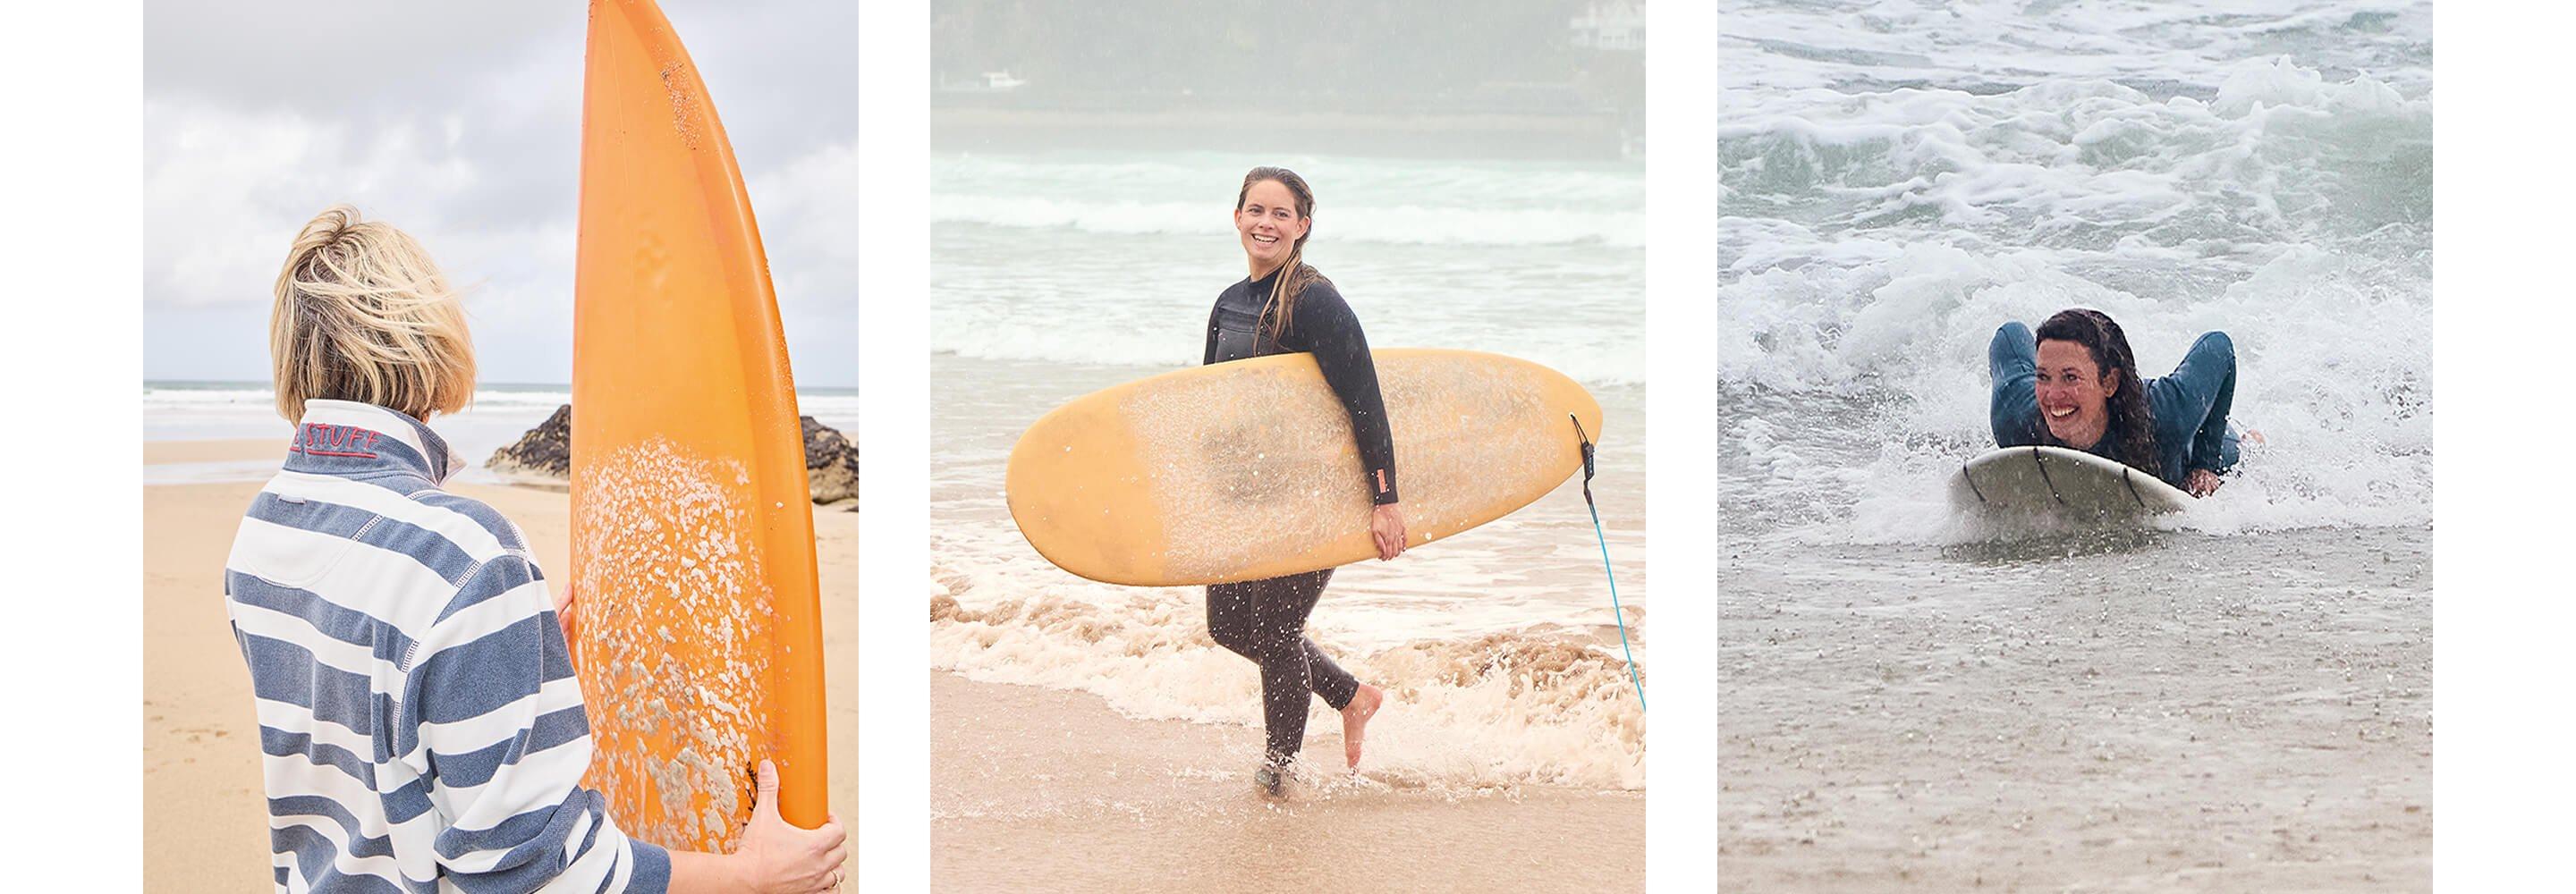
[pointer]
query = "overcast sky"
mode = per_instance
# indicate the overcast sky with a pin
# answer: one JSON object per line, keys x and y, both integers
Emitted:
{"x": 461, "y": 123}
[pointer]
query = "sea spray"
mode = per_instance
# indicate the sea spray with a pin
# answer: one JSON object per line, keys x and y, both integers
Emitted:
{"x": 1875, "y": 240}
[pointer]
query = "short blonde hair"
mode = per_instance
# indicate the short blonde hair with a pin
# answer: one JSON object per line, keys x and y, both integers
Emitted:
{"x": 362, "y": 314}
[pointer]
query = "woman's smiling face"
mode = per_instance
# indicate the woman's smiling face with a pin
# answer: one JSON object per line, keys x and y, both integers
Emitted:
{"x": 2074, "y": 396}
{"x": 1268, "y": 224}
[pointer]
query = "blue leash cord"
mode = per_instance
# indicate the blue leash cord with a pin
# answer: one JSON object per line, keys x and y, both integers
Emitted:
{"x": 1615, "y": 612}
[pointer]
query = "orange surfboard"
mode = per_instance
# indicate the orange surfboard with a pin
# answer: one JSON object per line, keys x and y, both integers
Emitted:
{"x": 700, "y": 650}
{"x": 1247, "y": 470}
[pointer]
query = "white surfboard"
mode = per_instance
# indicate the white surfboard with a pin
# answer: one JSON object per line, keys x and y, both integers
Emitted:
{"x": 2056, "y": 482}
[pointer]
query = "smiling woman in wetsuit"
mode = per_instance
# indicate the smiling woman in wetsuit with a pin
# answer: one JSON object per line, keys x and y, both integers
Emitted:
{"x": 2075, "y": 384}
{"x": 1282, "y": 307}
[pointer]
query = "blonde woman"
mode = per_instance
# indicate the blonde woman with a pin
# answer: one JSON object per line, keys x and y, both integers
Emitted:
{"x": 420, "y": 723}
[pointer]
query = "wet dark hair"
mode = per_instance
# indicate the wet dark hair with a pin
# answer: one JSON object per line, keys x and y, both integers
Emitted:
{"x": 2132, "y": 427}
{"x": 1298, "y": 274}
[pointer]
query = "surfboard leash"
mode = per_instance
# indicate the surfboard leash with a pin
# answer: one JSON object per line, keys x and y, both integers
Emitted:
{"x": 1585, "y": 438}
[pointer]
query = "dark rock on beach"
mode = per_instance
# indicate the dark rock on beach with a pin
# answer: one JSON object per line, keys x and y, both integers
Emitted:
{"x": 545, "y": 454}
{"x": 831, "y": 463}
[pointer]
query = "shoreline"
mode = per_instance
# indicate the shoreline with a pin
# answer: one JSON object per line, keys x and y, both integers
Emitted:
{"x": 1032, "y": 787}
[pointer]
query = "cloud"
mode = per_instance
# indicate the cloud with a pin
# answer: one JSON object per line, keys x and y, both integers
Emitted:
{"x": 223, "y": 191}
{"x": 809, "y": 211}
{"x": 460, "y": 122}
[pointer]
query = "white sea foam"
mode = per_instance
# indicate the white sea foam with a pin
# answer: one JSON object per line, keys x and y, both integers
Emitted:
{"x": 2266, "y": 174}
{"x": 1772, "y": 48}
{"x": 1374, "y": 200}
{"x": 1495, "y": 710}
{"x": 1393, "y": 224}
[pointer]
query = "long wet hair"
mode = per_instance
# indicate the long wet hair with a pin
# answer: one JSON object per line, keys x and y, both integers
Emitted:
{"x": 2132, "y": 427}
{"x": 1284, "y": 289}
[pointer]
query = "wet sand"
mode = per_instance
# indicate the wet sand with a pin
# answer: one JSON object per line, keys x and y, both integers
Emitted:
{"x": 1045, "y": 789}
{"x": 161, "y": 453}
{"x": 2187, "y": 712}
{"x": 205, "y": 821}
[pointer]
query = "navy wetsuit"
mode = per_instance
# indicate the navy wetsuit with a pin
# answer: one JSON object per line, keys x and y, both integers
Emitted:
{"x": 1265, "y": 620}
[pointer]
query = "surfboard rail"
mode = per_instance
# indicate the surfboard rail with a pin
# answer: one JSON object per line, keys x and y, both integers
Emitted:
{"x": 700, "y": 651}
{"x": 1248, "y": 470}
{"x": 2050, "y": 480}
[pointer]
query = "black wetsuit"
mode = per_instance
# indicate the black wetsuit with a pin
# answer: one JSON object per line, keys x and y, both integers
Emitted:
{"x": 1265, "y": 620}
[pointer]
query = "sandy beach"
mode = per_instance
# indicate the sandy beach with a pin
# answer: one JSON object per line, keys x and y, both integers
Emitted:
{"x": 205, "y": 825}
{"x": 2188, "y": 712}
{"x": 1045, "y": 789}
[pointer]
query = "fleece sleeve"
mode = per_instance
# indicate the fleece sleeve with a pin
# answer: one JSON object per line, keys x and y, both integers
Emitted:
{"x": 493, "y": 721}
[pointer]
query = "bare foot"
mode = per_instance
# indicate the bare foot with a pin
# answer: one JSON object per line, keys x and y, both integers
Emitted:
{"x": 1355, "y": 718}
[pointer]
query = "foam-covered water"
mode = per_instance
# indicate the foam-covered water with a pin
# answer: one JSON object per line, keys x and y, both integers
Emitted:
{"x": 1901, "y": 178}
{"x": 1545, "y": 702}
{"x": 497, "y": 416}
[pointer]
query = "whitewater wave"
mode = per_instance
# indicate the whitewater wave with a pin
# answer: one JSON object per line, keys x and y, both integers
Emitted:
{"x": 1875, "y": 384}
{"x": 1570, "y": 352}
{"x": 1773, "y": 48}
{"x": 1391, "y": 225}
{"x": 1501, "y": 709}
{"x": 1886, "y": 212}
{"x": 2279, "y": 156}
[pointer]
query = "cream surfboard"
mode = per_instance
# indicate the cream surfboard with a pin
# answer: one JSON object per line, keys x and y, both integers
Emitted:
{"x": 1248, "y": 470}
{"x": 2056, "y": 482}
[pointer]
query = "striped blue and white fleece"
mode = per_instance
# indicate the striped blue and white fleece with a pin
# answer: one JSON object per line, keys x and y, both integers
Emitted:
{"x": 419, "y": 720}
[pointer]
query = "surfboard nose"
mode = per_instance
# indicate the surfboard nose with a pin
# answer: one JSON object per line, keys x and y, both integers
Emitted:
{"x": 691, "y": 508}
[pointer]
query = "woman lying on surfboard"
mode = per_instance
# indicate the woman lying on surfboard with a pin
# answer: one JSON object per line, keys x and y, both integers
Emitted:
{"x": 421, "y": 723}
{"x": 2075, "y": 384}
{"x": 1284, "y": 306}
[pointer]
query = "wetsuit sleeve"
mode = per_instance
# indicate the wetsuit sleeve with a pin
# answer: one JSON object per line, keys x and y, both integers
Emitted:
{"x": 2012, "y": 359}
{"x": 1327, "y": 328}
{"x": 1208, "y": 357}
{"x": 2203, "y": 392}
{"x": 493, "y": 721}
